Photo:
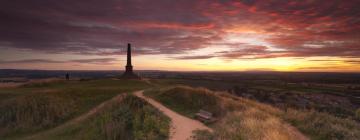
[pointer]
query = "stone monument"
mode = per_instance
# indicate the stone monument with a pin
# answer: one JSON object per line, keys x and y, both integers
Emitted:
{"x": 129, "y": 74}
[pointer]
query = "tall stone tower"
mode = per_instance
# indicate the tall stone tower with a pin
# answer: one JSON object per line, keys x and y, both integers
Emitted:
{"x": 129, "y": 74}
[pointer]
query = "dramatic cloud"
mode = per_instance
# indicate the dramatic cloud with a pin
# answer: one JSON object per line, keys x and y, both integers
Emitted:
{"x": 250, "y": 29}
{"x": 194, "y": 57}
{"x": 30, "y": 61}
{"x": 100, "y": 61}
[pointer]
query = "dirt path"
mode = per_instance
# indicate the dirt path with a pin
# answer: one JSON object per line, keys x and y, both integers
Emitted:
{"x": 296, "y": 133}
{"x": 181, "y": 126}
{"x": 80, "y": 118}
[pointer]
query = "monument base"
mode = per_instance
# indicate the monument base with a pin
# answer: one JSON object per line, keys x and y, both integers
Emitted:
{"x": 129, "y": 75}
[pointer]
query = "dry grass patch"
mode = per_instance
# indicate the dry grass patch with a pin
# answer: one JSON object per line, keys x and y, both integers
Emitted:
{"x": 238, "y": 118}
{"x": 37, "y": 107}
{"x": 32, "y": 112}
{"x": 250, "y": 120}
{"x": 323, "y": 126}
{"x": 128, "y": 118}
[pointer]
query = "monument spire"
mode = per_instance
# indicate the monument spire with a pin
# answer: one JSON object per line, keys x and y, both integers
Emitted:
{"x": 129, "y": 74}
{"x": 129, "y": 55}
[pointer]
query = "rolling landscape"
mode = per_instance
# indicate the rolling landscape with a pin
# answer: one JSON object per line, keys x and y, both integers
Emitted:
{"x": 269, "y": 106}
{"x": 180, "y": 70}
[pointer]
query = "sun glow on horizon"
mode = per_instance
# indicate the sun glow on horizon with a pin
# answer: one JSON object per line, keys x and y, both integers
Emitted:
{"x": 182, "y": 35}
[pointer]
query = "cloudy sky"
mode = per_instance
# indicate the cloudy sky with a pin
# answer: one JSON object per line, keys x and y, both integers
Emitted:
{"x": 182, "y": 35}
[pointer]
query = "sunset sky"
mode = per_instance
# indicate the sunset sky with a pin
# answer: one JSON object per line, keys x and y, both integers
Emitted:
{"x": 181, "y": 35}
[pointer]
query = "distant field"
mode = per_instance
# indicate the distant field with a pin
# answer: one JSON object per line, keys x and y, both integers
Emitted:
{"x": 259, "y": 84}
{"x": 337, "y": 99}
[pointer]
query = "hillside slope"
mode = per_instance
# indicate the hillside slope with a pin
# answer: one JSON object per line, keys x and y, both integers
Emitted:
{"x": 125, "y": 117}
{"x": 181, "y": 127}
{"x": 238, "y": 118}
{"x": 38, "y": 107}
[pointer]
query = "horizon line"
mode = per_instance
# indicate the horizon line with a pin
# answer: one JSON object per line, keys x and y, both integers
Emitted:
{"x": 186, "y": 71}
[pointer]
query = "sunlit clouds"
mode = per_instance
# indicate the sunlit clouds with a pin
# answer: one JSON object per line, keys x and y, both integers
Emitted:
{"x": 186, "y": 35}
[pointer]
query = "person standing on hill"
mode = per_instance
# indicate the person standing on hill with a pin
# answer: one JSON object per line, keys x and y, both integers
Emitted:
{"x": 67, "y": 76}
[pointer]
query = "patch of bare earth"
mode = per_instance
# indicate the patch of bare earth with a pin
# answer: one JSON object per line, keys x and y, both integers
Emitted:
{"x": 295, "y": 132}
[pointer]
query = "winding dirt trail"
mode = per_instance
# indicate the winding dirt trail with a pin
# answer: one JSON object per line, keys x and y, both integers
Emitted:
{"x": 296, "y": 133}
{"x": 181, "y": 126}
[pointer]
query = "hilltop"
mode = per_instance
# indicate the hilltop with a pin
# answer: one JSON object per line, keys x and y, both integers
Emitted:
{"x": 107, "y": 109}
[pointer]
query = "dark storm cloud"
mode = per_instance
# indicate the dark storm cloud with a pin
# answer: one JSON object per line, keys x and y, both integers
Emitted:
{"x": 345, "y": 61}
{"x": 194, "y": 57}
{"x": 88, "y": 26}
{"x": 353, "y": 61}
{"x": 83, "y": 61}
{"x": 95, "y": 61}
{"x": 93, "y": 27}
{"x": 30, "y": 61}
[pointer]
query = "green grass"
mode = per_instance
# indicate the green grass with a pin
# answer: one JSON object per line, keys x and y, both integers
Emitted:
{"x": 246, "y": 119}
{"x": 38, "y": 106}
{"x": 253, "y": 84}
{"x": 130, "y": 119}
{"x": 280, "y": 94}
{"x": 323, "y": 126}
{"x": 237, "y": 118}
{"x": 213, "y": 85}
{"x": 183, "y": 100}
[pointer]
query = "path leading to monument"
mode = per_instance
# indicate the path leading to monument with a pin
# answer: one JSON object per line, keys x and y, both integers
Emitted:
{"x": 181, "y": 126}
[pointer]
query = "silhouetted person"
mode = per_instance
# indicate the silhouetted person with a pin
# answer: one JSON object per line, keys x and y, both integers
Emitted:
{"x": 67, "y": 77}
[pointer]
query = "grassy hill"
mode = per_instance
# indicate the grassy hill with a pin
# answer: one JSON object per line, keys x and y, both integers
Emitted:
{"x": 35, "y": 107}
{"x": 240, "y": 118}
{"x": 105, "y": 109}
{"x": 129, "y": 118}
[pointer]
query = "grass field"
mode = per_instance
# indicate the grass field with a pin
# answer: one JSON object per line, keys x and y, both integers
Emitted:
{"x": 237, "y": 119}
{"x": 328, "y": 98}
{"x": 273, "y": 85}
{"x": 241, "y": 118}
{"x": 323, "y": 126}
{"x": 130, "y": 118}
{"x": 34, "y": 107}
{"x": 42, "y": 110}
